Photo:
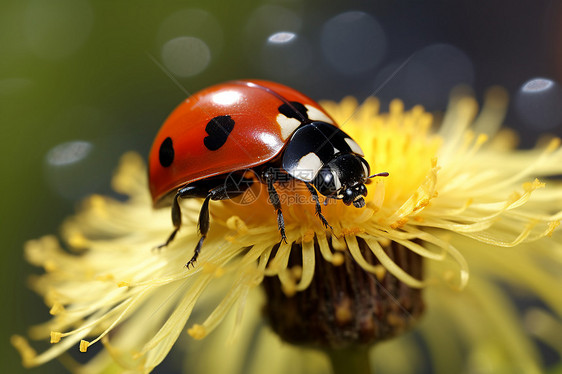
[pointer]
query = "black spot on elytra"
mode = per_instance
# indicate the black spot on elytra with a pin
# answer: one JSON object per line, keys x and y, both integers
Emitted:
{"x": 289, "y": 111}
{"x": 219, "y": 128}
{"x": 166, "y": 153}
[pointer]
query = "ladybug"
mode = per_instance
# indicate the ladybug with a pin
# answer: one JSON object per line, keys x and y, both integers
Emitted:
{"x": 211, "y": 139}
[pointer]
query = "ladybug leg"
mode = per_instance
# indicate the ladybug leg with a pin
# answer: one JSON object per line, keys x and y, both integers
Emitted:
{"x": 274, "y": 198}
{"x": 203, "y": 226}
{"x": 188, "y": 191}
{"x": 224, "y": 191}
{"x": 318, "y": 207}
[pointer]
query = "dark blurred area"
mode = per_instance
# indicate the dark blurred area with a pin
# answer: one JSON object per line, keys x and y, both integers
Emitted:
{"x": 83, "y": 81}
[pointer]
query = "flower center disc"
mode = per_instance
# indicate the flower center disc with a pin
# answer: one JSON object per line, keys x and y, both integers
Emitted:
{"x": 344, "y": 305}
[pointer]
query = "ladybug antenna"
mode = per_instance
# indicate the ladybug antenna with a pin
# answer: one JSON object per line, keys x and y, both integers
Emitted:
{"x": 383, "y": 174}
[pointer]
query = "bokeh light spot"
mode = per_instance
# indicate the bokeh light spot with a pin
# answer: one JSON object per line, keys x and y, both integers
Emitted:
{"x": 186, "y": 56}
{"x": 70, "y": 169}
{"x": 284, "y": 59}
{"x": 281, "y": 37}
{"x": 194, "y": 22}
{"x": 537, "y": 84}
{"x": 353, "y": 42}
{"x": 68, "y": 153}
{"x": 538, "y": 104}
{"x": 273, "y": 32}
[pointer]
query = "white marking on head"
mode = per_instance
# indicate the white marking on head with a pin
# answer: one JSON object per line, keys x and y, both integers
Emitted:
{"x": 316, "y": 114}
{"x": 308, "y": 167}
{"x": 366, "y": 169}
{"x": 287, "y": 125}
{"x": 337, "y": 182}
{"x": 354, "y": 146}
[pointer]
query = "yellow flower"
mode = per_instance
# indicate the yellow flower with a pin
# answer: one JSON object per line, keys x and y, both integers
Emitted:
{"x": 478, "y": 216}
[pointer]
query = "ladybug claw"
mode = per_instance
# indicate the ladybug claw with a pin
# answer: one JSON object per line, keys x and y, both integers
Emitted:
{"x": 196, "y": 252}
{"x": 190, "y": 263}
{"x": 158, "y": 247}
{"x": 168, "y": 241}
{"x": 325, "y": 222}
{"x": 282, "y": 232}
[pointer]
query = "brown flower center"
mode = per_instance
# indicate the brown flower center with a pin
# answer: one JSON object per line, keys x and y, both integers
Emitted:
{"x": 345, "y": 305}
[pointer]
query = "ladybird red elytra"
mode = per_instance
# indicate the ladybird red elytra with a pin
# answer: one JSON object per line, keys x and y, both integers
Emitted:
{"x": 274, "y": 130}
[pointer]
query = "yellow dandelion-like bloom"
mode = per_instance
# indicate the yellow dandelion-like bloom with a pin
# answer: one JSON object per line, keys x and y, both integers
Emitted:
{"x": 461, "y": 218}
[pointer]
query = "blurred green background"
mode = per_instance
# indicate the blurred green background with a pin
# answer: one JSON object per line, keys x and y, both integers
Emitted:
{"x": 81, "y": 83}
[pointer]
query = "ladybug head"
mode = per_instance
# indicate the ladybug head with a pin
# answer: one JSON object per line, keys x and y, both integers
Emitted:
{"x": 354, "y": 195}
{"x": 344, "y": 178}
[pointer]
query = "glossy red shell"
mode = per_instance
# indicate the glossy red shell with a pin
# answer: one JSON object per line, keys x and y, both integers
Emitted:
{"x": 255, "y": 139}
